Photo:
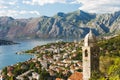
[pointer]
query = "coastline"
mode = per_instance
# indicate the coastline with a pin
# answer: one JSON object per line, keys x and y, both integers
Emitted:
{"x": 10, "y": 50}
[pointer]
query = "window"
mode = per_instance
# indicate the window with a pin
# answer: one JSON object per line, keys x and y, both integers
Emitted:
{"x": 86, "y": 53}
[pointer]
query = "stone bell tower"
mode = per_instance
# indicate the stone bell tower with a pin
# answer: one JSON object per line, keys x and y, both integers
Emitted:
{"x": 90, "y": 57}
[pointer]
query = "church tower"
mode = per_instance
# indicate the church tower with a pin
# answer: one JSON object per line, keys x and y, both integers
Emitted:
{"x": 90, "y": 53}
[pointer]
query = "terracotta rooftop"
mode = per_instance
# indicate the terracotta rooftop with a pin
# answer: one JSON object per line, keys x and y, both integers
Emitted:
{"x": 76, "y": 76}
{"x": 58, "y": 79}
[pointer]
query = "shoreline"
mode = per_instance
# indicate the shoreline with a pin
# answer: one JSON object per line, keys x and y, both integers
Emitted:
{"x": 11, "y": 50}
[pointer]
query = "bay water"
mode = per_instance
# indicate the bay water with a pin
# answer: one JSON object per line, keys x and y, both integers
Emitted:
{"x": 8, "y": 54}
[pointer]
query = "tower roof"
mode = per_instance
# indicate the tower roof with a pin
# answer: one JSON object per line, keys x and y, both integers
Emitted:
{"x": 90, "y": 39}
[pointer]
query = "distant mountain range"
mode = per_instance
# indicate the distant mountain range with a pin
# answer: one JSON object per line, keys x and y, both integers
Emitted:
{"x": 71, "y": 25}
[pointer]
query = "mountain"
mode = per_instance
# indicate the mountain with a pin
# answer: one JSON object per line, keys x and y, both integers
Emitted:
{"x": 71, "y": 25}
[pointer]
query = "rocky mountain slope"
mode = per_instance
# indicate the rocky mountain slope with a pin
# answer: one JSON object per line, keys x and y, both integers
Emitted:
{"x": 71, "y": 25}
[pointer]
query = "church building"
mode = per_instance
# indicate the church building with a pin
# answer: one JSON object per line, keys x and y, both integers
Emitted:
{"x": 90, "y": 56}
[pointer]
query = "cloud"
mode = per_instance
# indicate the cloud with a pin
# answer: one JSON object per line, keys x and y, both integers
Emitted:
{"x": 12, "y": 2}
{"x": 93, "y": 6}
{"x": 3, "y": 7}
{"x": 99, "y": 6}
{"x": 5, "y": 4}
{"x": 42, "y": 2}
{"x": 14, "y": 13}
{"x": 29, "y": 12}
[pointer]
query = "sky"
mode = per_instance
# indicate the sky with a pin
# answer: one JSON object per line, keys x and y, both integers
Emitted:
{"x": 37, "y": 8}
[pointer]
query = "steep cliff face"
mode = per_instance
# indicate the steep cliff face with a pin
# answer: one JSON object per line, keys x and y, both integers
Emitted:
{"x": 72, "y": 25}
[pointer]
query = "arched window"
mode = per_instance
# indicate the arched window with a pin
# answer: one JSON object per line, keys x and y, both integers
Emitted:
{"x": 86, "y": 53}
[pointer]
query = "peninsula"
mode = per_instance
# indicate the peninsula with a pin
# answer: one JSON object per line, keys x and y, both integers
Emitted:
{"x": 6, "y": 42}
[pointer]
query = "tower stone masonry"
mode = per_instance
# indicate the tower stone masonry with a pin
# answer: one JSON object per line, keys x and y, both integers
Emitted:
{"x": 90, "y": 55}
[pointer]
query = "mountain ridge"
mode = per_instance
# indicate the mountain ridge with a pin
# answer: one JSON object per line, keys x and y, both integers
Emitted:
{"x": 62, "y": 25}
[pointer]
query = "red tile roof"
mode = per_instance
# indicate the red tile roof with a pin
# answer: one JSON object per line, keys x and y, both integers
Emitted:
{"x": 76, "y": 76}
{"x": 58, "y": 79}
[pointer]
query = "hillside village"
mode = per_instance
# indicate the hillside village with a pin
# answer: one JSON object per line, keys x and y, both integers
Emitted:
{"x": 62, "y": 59}
{"x": 57, "y": 59}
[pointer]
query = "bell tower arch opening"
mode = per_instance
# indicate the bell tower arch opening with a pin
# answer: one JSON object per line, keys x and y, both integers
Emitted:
{"x": 86, "y": 53}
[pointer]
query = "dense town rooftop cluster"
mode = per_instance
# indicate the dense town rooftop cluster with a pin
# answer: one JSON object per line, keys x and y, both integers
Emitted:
{"x": 53, "y": 60}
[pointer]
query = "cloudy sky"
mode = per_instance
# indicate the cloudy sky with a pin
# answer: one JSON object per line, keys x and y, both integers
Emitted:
{"x": 36, "y": 8}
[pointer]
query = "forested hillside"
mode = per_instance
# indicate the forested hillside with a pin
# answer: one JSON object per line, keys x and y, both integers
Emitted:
{"x": 109, "y": 59}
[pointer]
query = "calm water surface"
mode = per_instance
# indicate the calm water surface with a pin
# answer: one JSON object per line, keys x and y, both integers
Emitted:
{"x": 8, "y": 54}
